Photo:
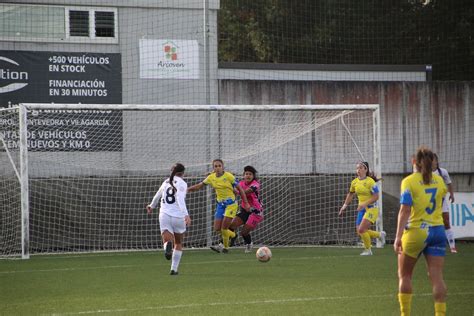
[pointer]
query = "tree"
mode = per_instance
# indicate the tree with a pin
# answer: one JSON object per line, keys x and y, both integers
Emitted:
{"x": 424, "y": 32}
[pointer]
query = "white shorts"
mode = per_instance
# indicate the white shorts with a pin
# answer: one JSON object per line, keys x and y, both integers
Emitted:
{"x": 446, "y": 205}
{"x": 172, "y": 224}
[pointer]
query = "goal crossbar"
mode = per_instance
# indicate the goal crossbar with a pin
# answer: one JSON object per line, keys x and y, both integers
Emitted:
{"x": 203, "y": 107}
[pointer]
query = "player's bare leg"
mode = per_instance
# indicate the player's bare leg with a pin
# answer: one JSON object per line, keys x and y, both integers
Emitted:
{"x": 168, "y": 240}
{"x": 236, "y": 223}
{"x": 406, "y": 264}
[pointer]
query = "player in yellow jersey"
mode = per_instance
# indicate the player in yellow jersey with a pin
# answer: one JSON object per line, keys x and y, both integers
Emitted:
{"x": 420, "y": 230}
{"x": 223, "y": 183}
{"x": 367, "y": 191}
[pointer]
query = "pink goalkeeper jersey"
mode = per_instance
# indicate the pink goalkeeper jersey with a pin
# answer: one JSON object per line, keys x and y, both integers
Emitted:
{"x": 254, "y": 196}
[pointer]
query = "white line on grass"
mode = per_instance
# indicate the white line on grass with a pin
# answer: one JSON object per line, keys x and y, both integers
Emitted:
{"x": 167, "y": 264}
{"x": 111, "y": 253}
{"x": 269, "y": 301}
{"x": 70, "y": 269}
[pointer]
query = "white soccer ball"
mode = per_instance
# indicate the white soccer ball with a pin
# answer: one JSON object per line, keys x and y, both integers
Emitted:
{"x": 263, "y": 254}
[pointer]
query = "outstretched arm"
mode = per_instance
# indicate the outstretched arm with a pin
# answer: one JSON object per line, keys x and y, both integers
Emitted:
{"x": 196, "y": 187}
{"x": 347, "y": 201}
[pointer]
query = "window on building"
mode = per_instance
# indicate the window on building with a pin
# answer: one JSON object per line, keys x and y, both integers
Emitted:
{"x": 21, "y": 22}
{"x": 78, "y": 23}
{"x": 92, "y": 23}
{"x": 104, "y": 24}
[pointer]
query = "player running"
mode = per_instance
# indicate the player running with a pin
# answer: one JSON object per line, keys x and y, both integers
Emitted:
{"x": 173, "y": 216}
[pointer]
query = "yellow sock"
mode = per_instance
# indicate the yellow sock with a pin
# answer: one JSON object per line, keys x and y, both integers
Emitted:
{"x": 231, "y": 233}
{"x": 225, "y": 237}
{"x": 374, "y": 234}
{"x": 366, "y": 240}
{"x": 405, "y": 303}
{"x": 440, "y": 308}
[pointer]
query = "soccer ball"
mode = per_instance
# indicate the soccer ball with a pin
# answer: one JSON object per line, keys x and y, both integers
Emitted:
{"x": 263, "y": 254}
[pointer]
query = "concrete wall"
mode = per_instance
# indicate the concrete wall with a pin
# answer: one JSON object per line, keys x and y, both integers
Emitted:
{"x": 437, "y": 114}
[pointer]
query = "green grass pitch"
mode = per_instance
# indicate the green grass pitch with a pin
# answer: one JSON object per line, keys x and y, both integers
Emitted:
{"x": 297, "y": 281}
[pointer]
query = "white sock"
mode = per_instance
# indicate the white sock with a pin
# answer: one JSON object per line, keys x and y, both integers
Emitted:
{"x": 450, "y": 238}
{"x": 176, "y": 259}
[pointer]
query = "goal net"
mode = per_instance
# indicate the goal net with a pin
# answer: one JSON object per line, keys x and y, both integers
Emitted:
{"x": 91, "y": 169}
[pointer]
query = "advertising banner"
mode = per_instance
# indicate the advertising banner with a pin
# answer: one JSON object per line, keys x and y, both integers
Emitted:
{"x": 169, "y": 59}
{"x": 461, "y": 215}
{"x": 62, "y": 77}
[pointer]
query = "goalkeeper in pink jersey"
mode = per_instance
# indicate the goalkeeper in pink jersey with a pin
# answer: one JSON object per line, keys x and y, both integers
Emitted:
{"x": 252, "y": 217}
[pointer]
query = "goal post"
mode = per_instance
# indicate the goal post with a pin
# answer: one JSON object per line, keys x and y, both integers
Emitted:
{"x": 24, "y": 182}
{"x": 87, "y": 171}
{"x": 13, "y": 191}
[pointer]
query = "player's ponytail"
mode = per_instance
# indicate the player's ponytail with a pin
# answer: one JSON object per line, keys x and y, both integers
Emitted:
{"x": 178, "y": 168}
{"x": 424, "y": 163}
{"x": 369, "y": 173}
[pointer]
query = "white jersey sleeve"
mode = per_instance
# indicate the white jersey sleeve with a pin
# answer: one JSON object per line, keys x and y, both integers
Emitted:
{"x": 181, "y": 196}
{"x": 444, "y": 174}
{"x": 157, "y": 197}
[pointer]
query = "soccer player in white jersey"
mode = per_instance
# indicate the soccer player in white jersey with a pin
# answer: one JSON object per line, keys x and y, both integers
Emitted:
{"x": 173, "y": 216}
{"x": 447, "y": 180}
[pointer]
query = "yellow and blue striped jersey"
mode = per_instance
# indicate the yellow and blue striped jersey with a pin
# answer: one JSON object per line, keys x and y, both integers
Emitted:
{"x": 364, "y": 189}
{"x": 426, "y": 200}
{"x": 224, "y": 185}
